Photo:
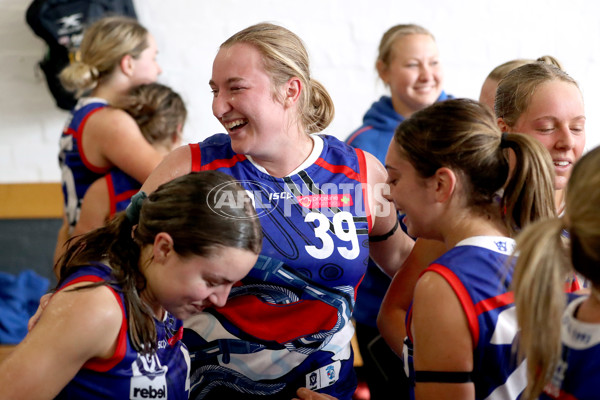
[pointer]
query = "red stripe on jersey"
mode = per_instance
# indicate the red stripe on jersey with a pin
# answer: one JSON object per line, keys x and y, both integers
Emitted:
{"x": 463, "y": 296}
{"x": 216, "y": 164}
{"x": 111, "y": 194}
{"x": 362, "y": 168}
{"x": 351, "y": 138}
{"x": 281, "y": 323}
{"x": 550, "y": 390}
{"x": 196, "y": 156}
{"x": 98, "y": 364}
{"x": 494, "y": 302}
{"x": 78, "y": 135}
{"x": 339, "y": 169}
{"x": 573, "y": 286}
{"x": 176, "y": 337}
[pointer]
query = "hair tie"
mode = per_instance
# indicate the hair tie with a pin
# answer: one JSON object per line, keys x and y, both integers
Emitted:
{"x": 504, "y": 140}
{"x": 133, "y": 209}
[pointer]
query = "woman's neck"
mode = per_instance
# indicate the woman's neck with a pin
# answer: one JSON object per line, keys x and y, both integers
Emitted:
{"x": 469, "y": 225}
{"x": 402, "y": 108}
{"x": 589, "y": 311}
{"x": 288, "y": 156}
{"x": 112, "y": 89}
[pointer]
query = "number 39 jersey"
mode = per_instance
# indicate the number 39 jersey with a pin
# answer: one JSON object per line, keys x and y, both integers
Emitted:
{"x": 288, "y": 324}
{"x": 479, "y": 273}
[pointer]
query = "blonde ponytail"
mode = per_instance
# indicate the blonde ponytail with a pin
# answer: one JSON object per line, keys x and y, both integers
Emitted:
{"x": 539, "y": 278}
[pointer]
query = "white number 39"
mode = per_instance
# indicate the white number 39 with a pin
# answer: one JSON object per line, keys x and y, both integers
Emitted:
{"x": 322, "y": 233}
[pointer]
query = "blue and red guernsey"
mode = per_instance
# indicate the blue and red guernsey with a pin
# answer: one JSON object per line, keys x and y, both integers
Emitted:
{"x": 121, "y": 187}
{"x": 77, "y": 172}
{"x": 578, "y": 371}
{"x": 129, "y": 374}
{"x": 479, "y": 273}
{"x": 287, "y": 324}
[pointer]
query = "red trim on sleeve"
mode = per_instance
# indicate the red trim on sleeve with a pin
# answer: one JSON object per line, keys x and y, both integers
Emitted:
{"x": 463, "y": 296}
{"x": 223, "y": 163}
{"x": 340, "y": 169}
{"x": 78, "y": 135}
{"x": 362, "y": 167}
{"x": 196, "y": 154}
{"x": 358, "y": 132}
{"x": 111, "y": 194}
{"x": 494, "y": 302}
{"x": 99, "y": 364}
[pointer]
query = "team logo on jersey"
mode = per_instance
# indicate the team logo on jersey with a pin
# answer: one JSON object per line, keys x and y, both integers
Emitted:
{"x": 149, "y": 380}
{"x": 325, "y": 200}
{"x": 324, "y": 376}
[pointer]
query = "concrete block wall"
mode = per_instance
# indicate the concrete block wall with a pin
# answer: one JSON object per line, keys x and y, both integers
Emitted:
{"x": 342, "y": 36}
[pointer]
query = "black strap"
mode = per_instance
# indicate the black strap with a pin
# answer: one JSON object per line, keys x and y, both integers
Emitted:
{"x": 385, "y": 236}
{"x": 443, "y": 376}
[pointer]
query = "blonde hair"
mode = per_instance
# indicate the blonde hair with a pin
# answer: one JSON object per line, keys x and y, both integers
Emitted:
{"x": 284, "y": 56}
{"x": 104, "y": 44}
{"x": 462, "y": 134}
{"x": 518, "y": 86}
{"x": 392, "y": 35}
{"x": 158, "y": 110}
{"x": 545, "y": 261}
{"x": 503, "y": 69}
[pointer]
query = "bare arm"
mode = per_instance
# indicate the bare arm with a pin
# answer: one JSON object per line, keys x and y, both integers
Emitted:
{"x": 95, "y": 208}
{"x": 61, "y": 240}
{"x": 399, "y": 295}
{"x": 442, "y": 340}
{"x": 177, "y": 163}
{"x": 112, "y": 138}
{"x": 75, "y": 327}
{"x": 390, "y": 253}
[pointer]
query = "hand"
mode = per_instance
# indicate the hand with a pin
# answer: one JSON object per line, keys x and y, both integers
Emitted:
{"x": 307, "y": 394}
{"x": 38, "y": 313}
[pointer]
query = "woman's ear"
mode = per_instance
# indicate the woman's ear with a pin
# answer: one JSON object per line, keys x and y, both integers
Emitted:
{"x": 293, "y": 88}
{"x": 163, "y": 247}
{"x": 382, "y": 70}
{"x": 126, "y": 65}
{"x": 444, "y": 184}
{"x": 502, "y": 125}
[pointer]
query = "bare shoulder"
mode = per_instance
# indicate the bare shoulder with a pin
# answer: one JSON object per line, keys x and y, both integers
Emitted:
{"x": 439, "y": 326}
{"x": 376, "y": 172}
{"x": 177, "y": 163}
{"x": 112, "y": 117}
{"x": 90, "y": 308}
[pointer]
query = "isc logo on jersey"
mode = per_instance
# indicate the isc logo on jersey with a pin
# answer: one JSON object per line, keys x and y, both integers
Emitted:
{"x": 149, "y": 380}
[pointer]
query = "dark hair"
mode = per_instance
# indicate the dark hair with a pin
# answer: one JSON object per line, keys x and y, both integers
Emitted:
{"x": 187, "y": 210}
{"x": 462, "y": 134}
{"x": 157, "y": 109}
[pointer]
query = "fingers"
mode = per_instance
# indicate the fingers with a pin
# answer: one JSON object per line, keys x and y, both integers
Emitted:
{"x": 307, "y": 394}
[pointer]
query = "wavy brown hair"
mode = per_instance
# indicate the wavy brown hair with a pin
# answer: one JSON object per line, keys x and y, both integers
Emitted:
{"x": 185, "y": 210}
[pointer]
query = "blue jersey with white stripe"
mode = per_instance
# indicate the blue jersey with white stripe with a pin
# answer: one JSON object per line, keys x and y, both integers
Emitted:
{"x": 288, "y": 324}
{"x": 578, "y": 372}
{"x": 477, "y": 269}
{"x": 129, "y": 374}
{"x": 77, "y": 172}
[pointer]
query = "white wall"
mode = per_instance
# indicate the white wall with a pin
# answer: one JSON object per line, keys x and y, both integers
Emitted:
{"x": 341, "y": 35}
